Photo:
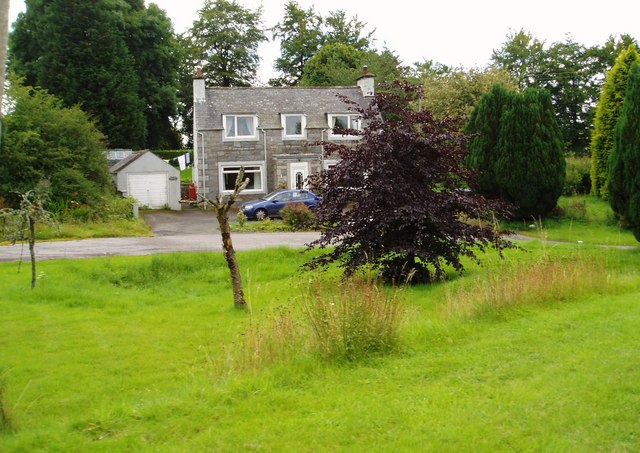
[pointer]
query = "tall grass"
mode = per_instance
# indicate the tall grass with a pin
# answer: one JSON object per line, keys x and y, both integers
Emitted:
{"x": 346, "y": 321}
{"x": 5, "y": 419}
{"x": 362, "y": 319}
{"x": 531, "y": 283}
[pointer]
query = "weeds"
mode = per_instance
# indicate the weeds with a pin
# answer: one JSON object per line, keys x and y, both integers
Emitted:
{"x": 279, "y": 338}
{"x": 361, "y": 320}
{"x": 538, "y": 282}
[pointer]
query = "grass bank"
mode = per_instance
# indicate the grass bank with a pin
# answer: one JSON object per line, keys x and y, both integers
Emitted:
{"x": 584, "y": 219}
{"x": 137, "y": 353}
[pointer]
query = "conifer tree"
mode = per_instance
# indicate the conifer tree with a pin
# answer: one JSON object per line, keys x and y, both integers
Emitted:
{"x": 484, "y": 127}
{"x": 530, "y": 169}
{"x": 624, "y": 163}
{"x": 111, "y": 57}
{"x": 607, "y": 114}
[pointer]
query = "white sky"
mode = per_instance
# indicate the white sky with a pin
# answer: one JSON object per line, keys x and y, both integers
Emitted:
{"x": 453, "y": 32}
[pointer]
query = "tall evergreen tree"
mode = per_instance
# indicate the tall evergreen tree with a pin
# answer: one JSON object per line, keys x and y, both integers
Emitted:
{"x": 484, "y": 128}
{"x": 624, "y": 163}
{"x": 154, "y": 48}
{"x": 99, "y": 55}
{"x": 530, "y": 169}
{"x": 607, "y": 113}
{"x": 225, "y": 39}
{"x": 300, "y": 34}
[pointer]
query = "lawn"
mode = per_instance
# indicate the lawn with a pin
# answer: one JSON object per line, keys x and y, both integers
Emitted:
{"x": 533, "y": 352}
{"x": 583, "y": 219}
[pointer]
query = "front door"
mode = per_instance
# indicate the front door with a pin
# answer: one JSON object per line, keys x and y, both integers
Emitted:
{"x": 298, "y": 174}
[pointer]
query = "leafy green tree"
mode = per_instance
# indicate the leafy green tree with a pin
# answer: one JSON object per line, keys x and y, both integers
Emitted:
{"x": 607, "y": 113}
{"x": 530, "y": 169}
{"x": 624, "y": 163}
{"x": 409, "y": 217}
{"x": 225, "y": 39}
{"x": 521, "y": 55}
{"x": 304, "y": 33}
{"x": 44, "y": 140}
{"x": 300, "y": 34}
{"x": 155, "y": 51}
{"x": 570, "y": 73}
{"x": 342, "y": 30}
{"x": 484, "y": 129}
{"x": 111, "y": 57}
{"x": 339, "y": 64}
{"x": 335, "y": 64}
{"x": 456, "y": 91}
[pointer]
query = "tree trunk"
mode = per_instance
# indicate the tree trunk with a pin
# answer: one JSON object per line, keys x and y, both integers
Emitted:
{"x": 230, "y": 256}
{"x": 4, "y": 39}
{"x": 32, "y": 250}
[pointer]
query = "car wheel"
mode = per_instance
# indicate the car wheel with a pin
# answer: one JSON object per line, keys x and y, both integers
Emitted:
{"x": 261, "y": 214}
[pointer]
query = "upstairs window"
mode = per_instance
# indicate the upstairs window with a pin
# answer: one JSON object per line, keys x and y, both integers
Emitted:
{"x": 340, "y": 122}
{"x": 240, "y": 127}
{"x": 294, "y": 126}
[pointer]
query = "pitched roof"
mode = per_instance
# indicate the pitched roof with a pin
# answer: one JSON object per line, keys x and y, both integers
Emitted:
{"x": 126, "y": 161}
{"x": 268, "y": 103}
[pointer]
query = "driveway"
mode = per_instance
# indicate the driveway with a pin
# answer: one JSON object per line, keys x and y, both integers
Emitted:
{"x": 190, "y": 230}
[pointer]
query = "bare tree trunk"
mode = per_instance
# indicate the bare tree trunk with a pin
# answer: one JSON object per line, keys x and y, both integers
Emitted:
{"x": 230, "y": 256}
{"x": 4, "y": 39}
{"x": 222, "y": 213}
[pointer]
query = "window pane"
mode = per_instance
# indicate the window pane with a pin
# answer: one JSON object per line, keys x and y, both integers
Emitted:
{"x": 340, "y": 122}
{"x": 230, "y": 126}
{"x": 229, "y": 180}
{"x": 293, "y": 125}
{"x": 245, "y": 126}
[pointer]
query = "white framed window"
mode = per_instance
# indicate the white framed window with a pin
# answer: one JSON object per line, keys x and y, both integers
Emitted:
{"x": 329, "y": 164}
{"x": 294, "y": 126}
{"x": 340, "y": 121}
{"x": 228, "y": 173}
{"x": 240, "y": 127}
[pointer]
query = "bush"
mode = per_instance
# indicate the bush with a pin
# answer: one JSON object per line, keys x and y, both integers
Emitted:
{"x": 578, "y": 178}
{"x": 104, "y": 209}
{"x": 298, "y": 216}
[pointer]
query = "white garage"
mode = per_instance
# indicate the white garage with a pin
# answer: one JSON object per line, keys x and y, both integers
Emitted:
{"x": 149, "y": 179}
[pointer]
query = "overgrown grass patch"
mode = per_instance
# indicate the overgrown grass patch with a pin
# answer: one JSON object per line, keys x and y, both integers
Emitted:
{"x": 123, "y": 354}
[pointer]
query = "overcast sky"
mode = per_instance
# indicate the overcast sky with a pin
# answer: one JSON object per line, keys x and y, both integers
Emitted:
{"x": 453, "y": 32}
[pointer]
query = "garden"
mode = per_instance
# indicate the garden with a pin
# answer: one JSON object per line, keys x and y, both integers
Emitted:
{"x": 533, "y": 351}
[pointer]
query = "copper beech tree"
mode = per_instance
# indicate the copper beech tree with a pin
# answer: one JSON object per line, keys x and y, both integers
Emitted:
{"x": 222, "y": 206}
{"x": 398, "y": 200}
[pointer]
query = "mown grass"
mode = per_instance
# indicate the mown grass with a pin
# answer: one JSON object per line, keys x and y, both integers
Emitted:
{"x": 584, "y": 219}
{"x": 130, "y": 354}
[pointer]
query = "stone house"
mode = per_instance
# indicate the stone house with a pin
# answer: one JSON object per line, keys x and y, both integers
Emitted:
{"x": 271, "y": 132}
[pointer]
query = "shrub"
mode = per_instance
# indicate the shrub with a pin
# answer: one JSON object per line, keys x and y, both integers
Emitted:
{"x": 363, "y": 319}
{"x": 578, "y": 178}
{"x": 298, "y": 216}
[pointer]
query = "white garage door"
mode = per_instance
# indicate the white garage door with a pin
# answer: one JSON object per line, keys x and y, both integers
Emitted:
{"x": 150, "y": 189}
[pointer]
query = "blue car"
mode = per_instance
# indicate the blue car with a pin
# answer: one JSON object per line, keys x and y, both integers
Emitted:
{"x": 270, "y": 205}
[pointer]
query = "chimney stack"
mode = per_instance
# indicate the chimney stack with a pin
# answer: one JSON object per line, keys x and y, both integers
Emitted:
{"x": 199, "y": 94}
{"x": 366, "y": 83}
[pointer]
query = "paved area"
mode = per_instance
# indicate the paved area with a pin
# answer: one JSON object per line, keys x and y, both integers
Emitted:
{"x": 188, "y": 230}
